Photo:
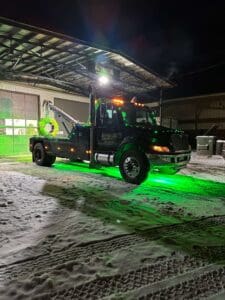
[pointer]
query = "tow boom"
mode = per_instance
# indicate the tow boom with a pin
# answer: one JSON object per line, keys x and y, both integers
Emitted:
{"x": 60, "y": 113}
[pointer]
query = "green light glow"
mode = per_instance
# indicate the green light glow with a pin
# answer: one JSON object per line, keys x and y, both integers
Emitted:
{"x": 177, "y": 211}
{"x": 6, "y": 108}
{"x": 181, "y": 183}
{"x": 186, "y": 184}
{"x": 12, "y": 145}
{"x": 84, "y": 168}
{"x": 177, "y": 203}
{"x": 13, "y": 139}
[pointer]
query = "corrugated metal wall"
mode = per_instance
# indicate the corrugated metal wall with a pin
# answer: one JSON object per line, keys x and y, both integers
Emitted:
{"x": 198, "y": 114}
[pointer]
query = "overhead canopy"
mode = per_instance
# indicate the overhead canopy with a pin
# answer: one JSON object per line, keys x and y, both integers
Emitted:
{"x": 39, "y": 56}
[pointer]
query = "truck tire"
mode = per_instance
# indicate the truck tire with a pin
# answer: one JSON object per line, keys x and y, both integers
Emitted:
{"x": 134, "y": 167}
{"x": 48, "y": 121}
{"x": 41, "y": 158}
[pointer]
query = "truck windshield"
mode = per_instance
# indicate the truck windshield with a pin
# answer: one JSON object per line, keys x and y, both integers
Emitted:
{"x": 138, "y": 116}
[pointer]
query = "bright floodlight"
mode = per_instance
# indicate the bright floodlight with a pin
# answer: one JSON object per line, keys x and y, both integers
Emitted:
{"x": 103, "y": 80}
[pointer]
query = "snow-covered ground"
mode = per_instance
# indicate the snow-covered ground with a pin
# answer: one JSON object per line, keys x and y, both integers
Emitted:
{"x": 66, "y": 233}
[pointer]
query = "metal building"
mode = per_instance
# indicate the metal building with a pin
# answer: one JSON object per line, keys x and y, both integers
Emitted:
{"x": 38, "y": 65}
{"x": 199, "y": 115}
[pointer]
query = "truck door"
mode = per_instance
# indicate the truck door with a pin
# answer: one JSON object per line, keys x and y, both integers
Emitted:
{"x": 109, "y": 128}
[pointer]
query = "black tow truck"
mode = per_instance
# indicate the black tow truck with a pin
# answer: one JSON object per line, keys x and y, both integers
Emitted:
{"x": 119, "y": 133}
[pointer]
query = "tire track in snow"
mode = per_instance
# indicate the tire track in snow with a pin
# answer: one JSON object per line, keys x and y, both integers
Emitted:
{"x": 122, "y": 283}
{"x": 201, "y": 287}
{"x": 81, "y": 252}
{"x": 87, "y": 250}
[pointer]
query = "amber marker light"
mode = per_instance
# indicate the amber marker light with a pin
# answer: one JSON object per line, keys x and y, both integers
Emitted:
{"x": 138, "y": 104}
{"x": 157, "y": 148}
{"x": 118, "y": 102}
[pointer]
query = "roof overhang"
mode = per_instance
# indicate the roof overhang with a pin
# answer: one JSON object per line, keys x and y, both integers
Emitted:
{"x": 39, "y": 56}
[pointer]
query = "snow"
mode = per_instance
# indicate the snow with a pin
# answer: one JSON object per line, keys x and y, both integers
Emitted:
{"x": 206, "y": 167}
{"x": 67, "y": 234}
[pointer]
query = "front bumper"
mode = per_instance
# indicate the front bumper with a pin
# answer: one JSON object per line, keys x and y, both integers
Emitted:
{"x": 174, "y": 161}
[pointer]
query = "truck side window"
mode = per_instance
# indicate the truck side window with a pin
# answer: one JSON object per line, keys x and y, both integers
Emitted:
{"x": 109, "y": 113}
{"x": 111, "y": 118}
{"x": 141, "y": 116}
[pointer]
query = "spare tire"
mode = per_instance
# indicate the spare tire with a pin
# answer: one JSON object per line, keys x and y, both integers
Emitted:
{"x": 43, "y": 125}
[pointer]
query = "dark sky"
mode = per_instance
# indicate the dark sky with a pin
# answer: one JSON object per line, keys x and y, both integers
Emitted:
{"x": 181, "y": 40}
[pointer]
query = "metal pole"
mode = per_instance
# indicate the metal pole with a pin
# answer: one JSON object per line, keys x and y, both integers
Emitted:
{"x": 92, "y": 121}
{"x": 160, "y": 106}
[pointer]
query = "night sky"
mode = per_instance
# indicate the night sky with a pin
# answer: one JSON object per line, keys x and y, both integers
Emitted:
{"x": 183, "y": 41}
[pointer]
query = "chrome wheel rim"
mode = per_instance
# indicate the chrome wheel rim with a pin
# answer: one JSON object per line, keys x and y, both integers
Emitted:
{"x": 131, "y": 167}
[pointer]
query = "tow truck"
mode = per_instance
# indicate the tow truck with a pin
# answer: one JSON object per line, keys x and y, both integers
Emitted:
{"x": 120, "y": 133}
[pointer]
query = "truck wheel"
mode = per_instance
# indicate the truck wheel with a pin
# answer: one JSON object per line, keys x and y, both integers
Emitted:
{"x": 41, "y": 158}
{"x": 134, "y": 167}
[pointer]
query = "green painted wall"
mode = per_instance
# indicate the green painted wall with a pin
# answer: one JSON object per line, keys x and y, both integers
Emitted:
{"x": 18, "y": 122}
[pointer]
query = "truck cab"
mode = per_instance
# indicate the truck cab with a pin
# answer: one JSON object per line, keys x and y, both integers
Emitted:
{"x": 125, "y": 134}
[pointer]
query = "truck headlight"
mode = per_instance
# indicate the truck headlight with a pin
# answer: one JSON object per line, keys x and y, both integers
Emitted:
{"x": 157, "y": 148}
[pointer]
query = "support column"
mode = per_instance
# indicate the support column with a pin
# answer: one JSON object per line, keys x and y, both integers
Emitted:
{"x": 92, "y": 121}
{"x": 160, "y": 106}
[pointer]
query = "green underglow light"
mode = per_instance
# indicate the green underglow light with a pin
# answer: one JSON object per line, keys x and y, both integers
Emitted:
{"x": 181, "y": 183}
{"x": 164, "y": 207}
{"x": 186, "y": 184}
{"x": 84, "y": 168}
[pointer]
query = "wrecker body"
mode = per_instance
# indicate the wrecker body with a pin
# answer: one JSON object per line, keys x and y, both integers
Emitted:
{"x": 123, "y": 134}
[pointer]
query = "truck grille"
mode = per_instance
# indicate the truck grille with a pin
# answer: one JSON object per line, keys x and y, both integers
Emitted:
{"x": 180, "y": 142}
